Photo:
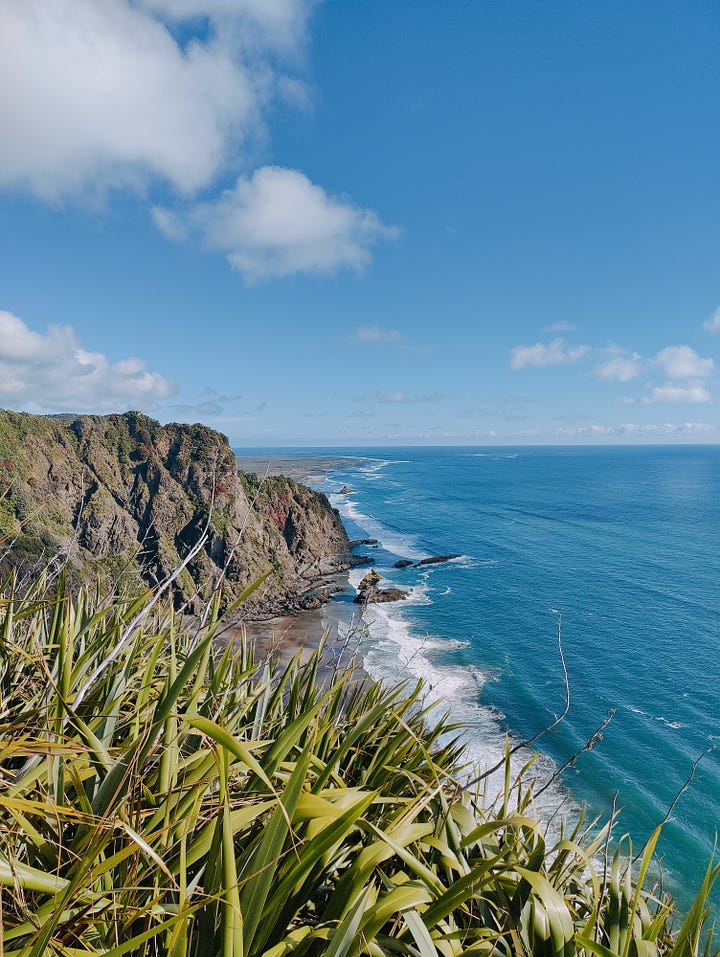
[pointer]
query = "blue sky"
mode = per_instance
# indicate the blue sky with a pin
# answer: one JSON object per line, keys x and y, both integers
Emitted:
{"x": 366, "y": 222}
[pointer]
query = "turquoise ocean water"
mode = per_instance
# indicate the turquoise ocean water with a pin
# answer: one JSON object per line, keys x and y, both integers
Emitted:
{"x": 626, "y": 543}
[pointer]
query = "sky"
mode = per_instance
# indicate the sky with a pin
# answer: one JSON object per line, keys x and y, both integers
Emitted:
{"x": 362, "y": 222}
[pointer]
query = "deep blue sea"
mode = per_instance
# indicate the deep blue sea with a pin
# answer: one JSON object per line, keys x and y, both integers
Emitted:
{"x": 625, "y": 542}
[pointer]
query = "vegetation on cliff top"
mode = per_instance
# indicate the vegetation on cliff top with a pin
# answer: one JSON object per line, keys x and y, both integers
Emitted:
{"x": 161, "y": 796}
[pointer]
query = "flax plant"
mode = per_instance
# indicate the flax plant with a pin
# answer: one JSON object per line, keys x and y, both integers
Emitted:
{"x": 161, "y": 795}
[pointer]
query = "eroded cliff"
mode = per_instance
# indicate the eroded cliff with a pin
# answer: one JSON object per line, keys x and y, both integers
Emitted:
{"x": 122, "y": 496}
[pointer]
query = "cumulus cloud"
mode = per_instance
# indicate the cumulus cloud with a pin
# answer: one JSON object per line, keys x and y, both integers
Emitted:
{"x": 278, "y": 23}
{"x": 99, "y": 93}
{"x": 621, "y": 368}
{"x": 376, "y": 334}
{"x": 278, "y": 223}
{"x": 104, "y": 94}
{"x": 682, "y": 362}
{"x": 543, "y": 354}
{"x": 679, "y": 392}
{"x": 713, "y": 323}
{"x": 52, "y": 371}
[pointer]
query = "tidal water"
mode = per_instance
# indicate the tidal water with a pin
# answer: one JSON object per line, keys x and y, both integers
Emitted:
{"x": 625, "y": 543}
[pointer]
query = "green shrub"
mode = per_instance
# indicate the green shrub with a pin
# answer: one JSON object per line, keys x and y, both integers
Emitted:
{"x": 162, "y": 796}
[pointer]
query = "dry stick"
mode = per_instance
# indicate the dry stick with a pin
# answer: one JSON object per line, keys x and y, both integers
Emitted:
{"x": 130, "y": 628}
{"x": 76, "y": 530}
{"x": 529, "y": 741}
{"x": 231, "y": 554}
{"x": 594, "y": 739}
{"x": 207, "y": 604}
{"x": 196, "y": 593}
{"x": 606, "y": 851}
{"x": 686, "y": 784}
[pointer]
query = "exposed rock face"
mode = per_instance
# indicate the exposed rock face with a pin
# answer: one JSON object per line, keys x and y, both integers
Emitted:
{"x": 122, "y": 496}
{"x": 370, "y": 593}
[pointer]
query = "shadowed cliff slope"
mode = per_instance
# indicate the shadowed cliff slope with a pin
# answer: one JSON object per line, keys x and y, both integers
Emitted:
{"x": 122, "y": 496}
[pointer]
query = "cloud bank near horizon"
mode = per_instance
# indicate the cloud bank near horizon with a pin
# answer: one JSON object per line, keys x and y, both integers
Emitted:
{"x": 53, "y": 372}
{"x": 685, "y": 371}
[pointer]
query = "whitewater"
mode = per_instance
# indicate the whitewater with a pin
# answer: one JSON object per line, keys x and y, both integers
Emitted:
{"x": 625, "y": 543}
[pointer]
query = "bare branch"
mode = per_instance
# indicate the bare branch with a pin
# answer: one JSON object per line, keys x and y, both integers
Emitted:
{"x": 528, "y": 742}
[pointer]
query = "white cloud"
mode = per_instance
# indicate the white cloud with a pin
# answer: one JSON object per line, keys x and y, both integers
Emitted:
{"x": 278, "y": 22}
{"x": 99, "y": 93}
{"x": 713, "y": 323}
{"x": 53, "y": 372}
{"x": 620, "y": 368}
{"x": 542, "y": 354}
{"x": 682, "y": 362}
{"x": 674, "y": 392}
{"x": 562, "y": 326}
{"x": 376, "y": 334}
{"x": 400, "y": 397}
{"x": 277, "y": 223}
{"x": 635, "y": 429}
{"x": 102, "y": 94}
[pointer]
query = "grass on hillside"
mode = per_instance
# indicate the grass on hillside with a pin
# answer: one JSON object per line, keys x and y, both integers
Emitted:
{"x": 159, "y": 796}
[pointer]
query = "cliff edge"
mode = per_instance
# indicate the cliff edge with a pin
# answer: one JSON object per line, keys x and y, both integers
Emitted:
{"x": 121, "y": 496}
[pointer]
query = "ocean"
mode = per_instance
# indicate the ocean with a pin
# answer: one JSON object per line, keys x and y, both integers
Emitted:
{"x": 624, "y": 542}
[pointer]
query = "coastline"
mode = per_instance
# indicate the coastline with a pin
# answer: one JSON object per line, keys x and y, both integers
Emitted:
{"x": 481, "y": 631}
{"x": 383, "y": 639}
{"x": 310, "y": 468}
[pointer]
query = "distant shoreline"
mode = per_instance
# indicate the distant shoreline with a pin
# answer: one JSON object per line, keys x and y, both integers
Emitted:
{"x": 308, "y": 469}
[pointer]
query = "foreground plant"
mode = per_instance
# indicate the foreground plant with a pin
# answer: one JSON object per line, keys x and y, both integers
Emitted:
{"x": 162, "y": 796}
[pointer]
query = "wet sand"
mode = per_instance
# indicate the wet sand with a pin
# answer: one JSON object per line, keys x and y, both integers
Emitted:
{"x": 286, "y": 636}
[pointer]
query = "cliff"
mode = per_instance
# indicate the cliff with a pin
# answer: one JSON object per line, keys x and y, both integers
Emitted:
{"x": 122, "y": 496}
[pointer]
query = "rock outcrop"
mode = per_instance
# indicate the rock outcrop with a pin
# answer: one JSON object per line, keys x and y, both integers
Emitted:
{"x": 369, "y": 592}
{"x": 436, "y": 560}
{"x": 121, "y": 496}
{"x": 433, "y": 560}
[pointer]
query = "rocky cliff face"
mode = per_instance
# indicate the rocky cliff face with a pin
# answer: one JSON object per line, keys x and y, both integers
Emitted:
{"x": 121, "y": 496}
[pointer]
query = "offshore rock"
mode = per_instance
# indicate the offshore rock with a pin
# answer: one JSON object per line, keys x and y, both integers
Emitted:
{"x": 121, "y": 498}
{"x": 436, "y": 560}
{"x": 369, "y": 592}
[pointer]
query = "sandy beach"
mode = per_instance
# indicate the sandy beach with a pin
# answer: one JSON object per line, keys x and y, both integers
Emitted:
{"x": 289, "y": 635}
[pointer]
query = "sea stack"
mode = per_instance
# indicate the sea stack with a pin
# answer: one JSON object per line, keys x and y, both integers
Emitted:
{"x": 369, "y": 591}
